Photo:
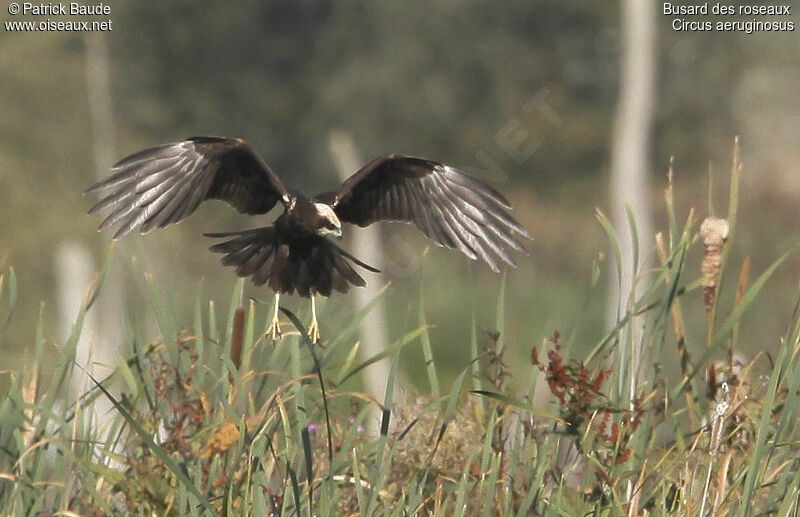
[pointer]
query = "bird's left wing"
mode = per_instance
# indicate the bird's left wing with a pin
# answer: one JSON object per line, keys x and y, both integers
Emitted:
{"x": 165, "y": 184}
{"x": 449, "y": 207}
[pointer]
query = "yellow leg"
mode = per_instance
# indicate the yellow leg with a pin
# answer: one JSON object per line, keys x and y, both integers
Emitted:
{"x": 274, "y": 329}
{"x": 313, "y": 329}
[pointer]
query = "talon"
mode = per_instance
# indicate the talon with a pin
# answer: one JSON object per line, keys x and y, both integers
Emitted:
{"x": 313, "y": 332}
{"x": 274, "y": 329}
{"x": 313, "y": 329}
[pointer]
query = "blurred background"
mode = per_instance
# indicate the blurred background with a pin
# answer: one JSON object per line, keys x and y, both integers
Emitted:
{"x": 523, "y": 94}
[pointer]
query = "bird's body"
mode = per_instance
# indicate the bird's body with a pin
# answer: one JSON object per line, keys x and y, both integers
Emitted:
{"x": 164, "y": 184}
{"x": 293, "y": 255}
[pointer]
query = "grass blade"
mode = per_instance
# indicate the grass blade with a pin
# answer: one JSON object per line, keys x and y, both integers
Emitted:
{"x": 736, "y": 314}
{"x": 754, "y": 469}
{"x": 390, "y": 350}
{"x": 505, "y": 399}
{"x": 427, "y": 350}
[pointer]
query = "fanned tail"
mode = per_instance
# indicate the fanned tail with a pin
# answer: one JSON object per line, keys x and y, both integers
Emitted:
{"x": 321, "y": 267}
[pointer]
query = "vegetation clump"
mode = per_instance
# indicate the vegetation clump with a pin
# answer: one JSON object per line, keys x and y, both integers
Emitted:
{"x": 221, "y": 422}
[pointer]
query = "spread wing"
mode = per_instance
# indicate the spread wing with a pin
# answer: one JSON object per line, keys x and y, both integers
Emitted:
{"x": 165, "y": 184}
{"x": 449, "y": 207}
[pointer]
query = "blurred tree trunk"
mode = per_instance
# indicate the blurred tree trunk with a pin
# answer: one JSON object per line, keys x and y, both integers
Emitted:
{"x": 101, "y": 112}
{"x": 630, "y": 163}
{"x": 365, "y": 244}
{"x": 98, "y": 86}
{"x": 75, "y": 268}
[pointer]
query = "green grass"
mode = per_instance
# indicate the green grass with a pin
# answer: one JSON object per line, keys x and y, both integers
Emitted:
{"x": 211, "y": 418}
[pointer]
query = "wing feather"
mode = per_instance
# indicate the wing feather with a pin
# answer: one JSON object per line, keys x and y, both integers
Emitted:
{"x": 449, "y": 207}
{"x": 495, "y": 238}
{"x": 472, "y": 228}
{"x": 162, "y": 185}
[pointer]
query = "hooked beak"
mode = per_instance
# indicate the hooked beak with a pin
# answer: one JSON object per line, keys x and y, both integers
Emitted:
{"x": 326, "y": 212}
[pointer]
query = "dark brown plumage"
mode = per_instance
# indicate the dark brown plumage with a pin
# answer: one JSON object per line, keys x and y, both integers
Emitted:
{"x": 165, "y": 184}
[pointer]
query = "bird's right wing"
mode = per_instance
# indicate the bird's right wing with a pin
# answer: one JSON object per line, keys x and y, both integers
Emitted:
{"x": 165, "y": 184}
{"x": 449, "y": 207}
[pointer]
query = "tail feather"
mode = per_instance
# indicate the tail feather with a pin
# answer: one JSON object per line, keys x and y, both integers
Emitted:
{"x": 303, "y": 280}
{"x": 347, "y": 271}
{"x": 258, "y": 261}
{"x": 260, "y": 254}
{"x": 289, "y": 273}
{"x": 278, "y": 267}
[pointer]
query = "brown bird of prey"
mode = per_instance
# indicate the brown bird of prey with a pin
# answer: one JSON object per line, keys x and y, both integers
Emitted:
{"x": 165, "y": 184}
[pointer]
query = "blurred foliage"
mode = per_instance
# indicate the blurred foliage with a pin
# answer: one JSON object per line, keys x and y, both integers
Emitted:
{"x": 219, "y": 422}
{"x": 450, "y": 80}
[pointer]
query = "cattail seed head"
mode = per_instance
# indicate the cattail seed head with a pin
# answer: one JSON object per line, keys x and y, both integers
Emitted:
{"x": 714, "y": 232}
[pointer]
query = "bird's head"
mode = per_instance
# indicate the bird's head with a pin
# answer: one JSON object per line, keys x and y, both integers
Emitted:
{"x": 329, "y": 223}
